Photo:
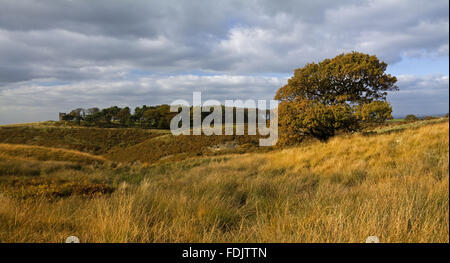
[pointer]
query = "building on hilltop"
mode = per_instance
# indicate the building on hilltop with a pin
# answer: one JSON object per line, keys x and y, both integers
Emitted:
{"x": 61, "y": 115}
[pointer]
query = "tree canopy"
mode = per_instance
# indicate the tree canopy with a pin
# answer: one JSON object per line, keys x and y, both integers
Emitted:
{"x": 347, "y": 78}
{"x": 336, "y": 94}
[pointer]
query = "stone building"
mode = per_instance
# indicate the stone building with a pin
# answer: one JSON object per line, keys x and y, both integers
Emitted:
{"x": 61, "y": 115}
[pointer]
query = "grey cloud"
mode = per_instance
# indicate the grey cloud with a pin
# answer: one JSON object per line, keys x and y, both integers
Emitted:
{"x": 427, "y": 95}
{"x": 18, "y": 102}
{"x": 212, "y": 36}
{"x": 95, "y": 46}
{"x": 386, "y": 28}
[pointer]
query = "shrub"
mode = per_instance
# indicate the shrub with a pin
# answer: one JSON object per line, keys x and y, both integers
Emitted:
{"x": 411, "y": 117}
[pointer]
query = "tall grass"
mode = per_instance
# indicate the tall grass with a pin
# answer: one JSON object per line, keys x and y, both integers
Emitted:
{"x": 26, "y": 152}
{"x": 394, "y": 186}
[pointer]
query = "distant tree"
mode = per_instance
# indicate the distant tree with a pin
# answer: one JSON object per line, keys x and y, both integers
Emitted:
{"x": 151, "y": 117}
{"x": 166, "y": 116}
{"x": 92, "y": 111}
{"x": 124, "y": 116}
{"x": 411, "y": 117}
{"x": 78, "y": 115}
{"x": 93, "y": 119}
{"x": 163, "y": 123}
{"x": 68, "y": 117}
{"x": 110, "y": 114}
{"x": 138, "y": 115}
{"x": 338, "y": 93}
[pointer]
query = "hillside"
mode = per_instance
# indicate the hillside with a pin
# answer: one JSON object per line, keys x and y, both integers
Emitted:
{"x": 39, "y": 153}
{"x": 393, "y": 184}
{"x": 126, "y": 145}
{"x": 175, "y": 148}
{"x": 91, "y": 140}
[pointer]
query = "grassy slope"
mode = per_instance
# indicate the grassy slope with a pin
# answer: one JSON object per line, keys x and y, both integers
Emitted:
{"x": 125, "y": 145}
{"x": 172, "y": 148}
{"x": 393, "y": 185}
{"x": 402, "y": 125}
{"x": 91, "y": 140}
{"x": 39, "y": 153}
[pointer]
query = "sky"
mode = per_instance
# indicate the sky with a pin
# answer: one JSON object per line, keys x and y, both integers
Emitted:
{"x": 58, "y": 55}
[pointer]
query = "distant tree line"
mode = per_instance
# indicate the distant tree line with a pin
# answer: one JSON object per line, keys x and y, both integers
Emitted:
{"x": 150, "y": 117}
{"x": 412, "y": 117}
{"x": 157, "y": 117}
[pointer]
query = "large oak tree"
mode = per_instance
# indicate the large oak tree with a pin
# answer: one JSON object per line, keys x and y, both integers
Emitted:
{"x": 335, "y": 94}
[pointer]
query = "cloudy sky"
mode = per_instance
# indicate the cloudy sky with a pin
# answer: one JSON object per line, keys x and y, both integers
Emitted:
{"x": 57, "y": 55}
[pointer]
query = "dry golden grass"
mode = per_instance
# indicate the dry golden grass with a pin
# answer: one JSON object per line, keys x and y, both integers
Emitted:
{"x": 27, "y": 152}
{"x": 174, "y": 148}
{"x": 394, "y": 186}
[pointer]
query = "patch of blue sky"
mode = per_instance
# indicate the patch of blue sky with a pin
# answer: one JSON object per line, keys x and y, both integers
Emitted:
{"x": 52, "y": 83}
{"x": 232, "y": 22}
{"x": 420, "y": 66}
{"x": 137, "y": 73}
